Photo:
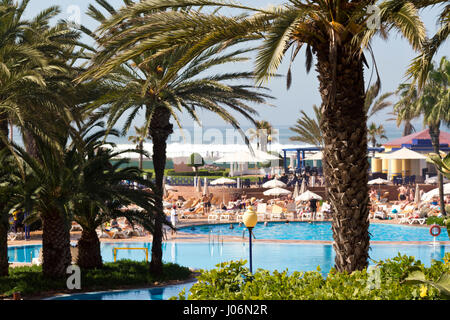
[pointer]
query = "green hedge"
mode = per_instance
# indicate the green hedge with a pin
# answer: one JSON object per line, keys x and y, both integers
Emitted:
{"x": 386, "y": 281}
{"x": 30, "y": 281}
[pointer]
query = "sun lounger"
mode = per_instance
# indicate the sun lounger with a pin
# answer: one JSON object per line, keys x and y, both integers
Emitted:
{"x": 277, "y": 213}
{"x": 213, "y": 217}
{"x": 224, "y": 217}
{"x": 417, "y": 219}
{"x": 261, "y": 211}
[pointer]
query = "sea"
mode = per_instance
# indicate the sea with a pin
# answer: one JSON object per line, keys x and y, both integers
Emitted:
{"x": 217, "y": 141}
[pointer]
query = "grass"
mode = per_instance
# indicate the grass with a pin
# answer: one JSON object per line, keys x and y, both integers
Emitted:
{"x": 29, "y": 281}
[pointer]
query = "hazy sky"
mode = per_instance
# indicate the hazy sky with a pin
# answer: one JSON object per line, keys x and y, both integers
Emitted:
{"x": 392, "y": 57}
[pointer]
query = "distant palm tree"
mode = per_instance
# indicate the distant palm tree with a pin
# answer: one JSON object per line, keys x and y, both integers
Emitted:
{"x": 263, "y": 134}
{"x": 408, "y": 95}
{"x": 374, "y": 131}
{"x": 308, "y": 129}
{"x": 139, "y": 140}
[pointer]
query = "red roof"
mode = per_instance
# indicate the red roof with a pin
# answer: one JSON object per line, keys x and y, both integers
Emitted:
{"x": 424, "y": 134}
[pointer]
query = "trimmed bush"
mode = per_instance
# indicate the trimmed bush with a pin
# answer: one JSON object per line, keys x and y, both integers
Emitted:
{"x": 232, "y": 281}
{"x": 114, "y": 275}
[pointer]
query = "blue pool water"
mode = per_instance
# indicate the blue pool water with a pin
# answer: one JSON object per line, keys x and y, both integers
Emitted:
{"x": 271, "y": 256}
{"x": 163, "y": 293}
{"x": 319, "y": 231}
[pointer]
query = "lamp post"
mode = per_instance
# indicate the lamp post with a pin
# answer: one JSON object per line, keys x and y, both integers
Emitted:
{"x": 250, "y": 219}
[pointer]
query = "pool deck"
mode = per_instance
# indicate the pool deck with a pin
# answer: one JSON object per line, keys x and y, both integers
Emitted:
{"x": 189, "y": 237}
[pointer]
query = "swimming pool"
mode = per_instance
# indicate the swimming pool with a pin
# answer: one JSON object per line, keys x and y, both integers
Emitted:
{"x": 271, "y": 256}
{"x": 318, "y": 231}
{"x": 159, "y": 293}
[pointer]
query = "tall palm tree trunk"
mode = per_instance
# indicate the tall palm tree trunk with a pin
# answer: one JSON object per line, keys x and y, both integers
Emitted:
{"x": 55, "y": 245}
{"x": 30, "y": 144}
{"x": 4, "y": 265}
{"x": 345, "y": 156}
{"x": 141, "y": 156}
{"x": 3, "y": 219}
{"x": 89, "y": 253}
{"x": 160, "y": 129}
{"x": 434, "y": 135}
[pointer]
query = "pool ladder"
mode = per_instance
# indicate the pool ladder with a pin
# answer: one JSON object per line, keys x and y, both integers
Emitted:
{"x": 215, "y": 237}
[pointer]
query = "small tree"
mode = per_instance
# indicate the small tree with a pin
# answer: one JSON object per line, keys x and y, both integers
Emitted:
{"x": 196, "y": 161}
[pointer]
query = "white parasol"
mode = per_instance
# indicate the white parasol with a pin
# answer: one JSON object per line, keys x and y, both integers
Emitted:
{"x": 276, "y": 192}
{"x": 308, "y": 195}
{"x": 274, "y": 183}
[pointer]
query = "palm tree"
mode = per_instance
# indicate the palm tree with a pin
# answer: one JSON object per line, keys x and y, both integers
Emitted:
{"x": 263, "y": 133}
{"x": 408, "y": 94}
{"x": 47, "y": 187}
{"x": 101, "y": 195}
{"x": 336, "y": 33}
{"x": 163, "y": 86}
{"x": 21, "y": 63}
{"x": 374, "y": 131}
{"x": 8, "y": 186}
{"x": 419, "y": 67}
{"x": 433, "y": 103}
{"x": 308, "y": 130}
{"x": 139, "y": 140}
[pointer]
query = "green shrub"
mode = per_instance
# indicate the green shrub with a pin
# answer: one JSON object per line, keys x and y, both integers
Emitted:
{"x": 435, "y": 220}
{"x": 385, "y": 281}
{"x": 29, "y": 280}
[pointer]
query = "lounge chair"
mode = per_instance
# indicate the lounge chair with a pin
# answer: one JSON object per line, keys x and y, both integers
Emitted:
{"x": 291, "y": 210}
{"x": 213, "y": 217}
{"x": 261, "y": 211}
{"x": 398, "y": 214}
{"x": 414, "y": 219}
{"x": 277, "y": 213}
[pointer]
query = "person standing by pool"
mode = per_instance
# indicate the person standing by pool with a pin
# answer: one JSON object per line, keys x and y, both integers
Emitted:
{"x": 173, "y": 218}
{"x": 313, "y": 208}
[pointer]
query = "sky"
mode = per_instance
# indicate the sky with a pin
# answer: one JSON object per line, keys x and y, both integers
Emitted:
{"x": 392, "y": 57}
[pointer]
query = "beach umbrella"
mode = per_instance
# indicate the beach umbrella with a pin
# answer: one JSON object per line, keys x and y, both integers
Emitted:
{"x": 222, "y": 182}
{"x": 276, "y": 192}
{"x": 417, "y": 195}
{"x": 308, "y": 195}
{"x": 303, "y": 187}
{"x": 434, "y": 180}
{"x": 378, "y": 181}
{"x": 435, "y": 193}
{"x": 205, "y": 187}
{"x": 296, "y": 193}
{"x": 274, "y": 183}
{"x": 403, "y": 153}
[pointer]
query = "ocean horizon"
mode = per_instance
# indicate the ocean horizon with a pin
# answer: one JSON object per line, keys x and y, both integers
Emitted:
{"x": 219, "y": 140}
